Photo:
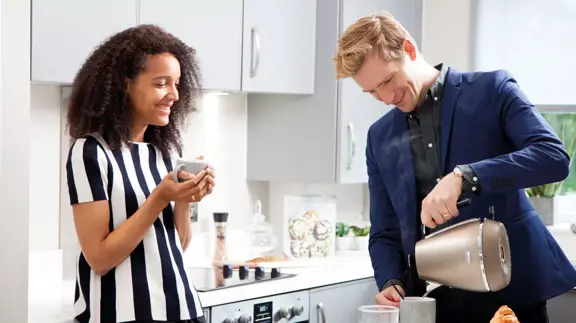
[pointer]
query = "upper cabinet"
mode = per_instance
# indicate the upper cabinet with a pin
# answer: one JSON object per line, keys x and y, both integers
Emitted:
{"x": 241, "y": 45}
{"x": 322, "y": 137}
{"x": 64, "y": 33}
{"x": 279, "y": 46}
{"x": 211, "y": 27}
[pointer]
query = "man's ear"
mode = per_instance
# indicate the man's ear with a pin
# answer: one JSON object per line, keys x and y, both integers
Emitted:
{"x": 410, "y": 49}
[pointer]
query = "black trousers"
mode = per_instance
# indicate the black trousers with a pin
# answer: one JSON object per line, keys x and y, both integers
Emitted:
{"x": 457, "y": 306}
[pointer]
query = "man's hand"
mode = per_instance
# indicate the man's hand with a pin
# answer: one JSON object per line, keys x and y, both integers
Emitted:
{"x": 390, "y": 296}
{"x": 440, "y": 205}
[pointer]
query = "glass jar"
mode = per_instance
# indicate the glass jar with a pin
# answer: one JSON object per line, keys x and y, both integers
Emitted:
{"x": 263, "y": 239}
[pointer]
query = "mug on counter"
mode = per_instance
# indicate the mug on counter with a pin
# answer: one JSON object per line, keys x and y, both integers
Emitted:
{"x": 418, "y": 310}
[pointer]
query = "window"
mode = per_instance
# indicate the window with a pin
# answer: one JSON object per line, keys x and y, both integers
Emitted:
{"x": 563, "y": 120}
{"x": 564, "y": 124}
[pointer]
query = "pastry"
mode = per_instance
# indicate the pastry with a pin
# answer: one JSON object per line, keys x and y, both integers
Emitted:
{"x": 323, "y": 230}
{"x": 300, "y": 249}
{"x": 299, "y": 228}
{"x": 504, "y": 315}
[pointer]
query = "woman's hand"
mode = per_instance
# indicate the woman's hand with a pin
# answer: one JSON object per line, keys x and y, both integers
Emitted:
{"x": 210, "y": 176}
{"x": 192, "y": 190}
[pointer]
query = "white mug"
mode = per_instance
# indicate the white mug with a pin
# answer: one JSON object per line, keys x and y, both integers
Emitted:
{"x": 418, "y": 310}
{"x": 193, "y": 166}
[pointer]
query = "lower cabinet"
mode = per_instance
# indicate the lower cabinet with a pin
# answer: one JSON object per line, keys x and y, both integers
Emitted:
{"x": 562, "y": 309}
{"x": 340, "y": 302}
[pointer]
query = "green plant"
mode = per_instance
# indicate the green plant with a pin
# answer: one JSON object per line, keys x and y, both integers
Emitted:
{"x": 342, "y": 229}
{"x": 360, "y": 232}
{"x": 564, "y": 124}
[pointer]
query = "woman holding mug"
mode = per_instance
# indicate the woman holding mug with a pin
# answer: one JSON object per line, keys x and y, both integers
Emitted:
{"x": 128, "y": 103}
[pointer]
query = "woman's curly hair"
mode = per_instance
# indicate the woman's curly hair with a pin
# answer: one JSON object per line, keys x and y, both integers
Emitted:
{"x": 99, "y": 102}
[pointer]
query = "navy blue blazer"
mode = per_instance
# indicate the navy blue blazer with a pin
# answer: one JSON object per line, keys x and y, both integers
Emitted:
{"x": 488, "y": 123}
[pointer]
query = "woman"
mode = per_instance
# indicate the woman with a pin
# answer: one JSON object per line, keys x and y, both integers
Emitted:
{"x": 128, "y": 103}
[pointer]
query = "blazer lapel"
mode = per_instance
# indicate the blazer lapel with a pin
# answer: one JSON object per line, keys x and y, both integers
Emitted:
{"x": 451, "y": 92}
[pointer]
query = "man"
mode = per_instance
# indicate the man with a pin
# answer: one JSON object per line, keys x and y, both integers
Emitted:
{"x": 451, "y": 135}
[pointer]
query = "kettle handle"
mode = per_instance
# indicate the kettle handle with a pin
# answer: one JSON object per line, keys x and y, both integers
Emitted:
{"x": 460, "y": 204}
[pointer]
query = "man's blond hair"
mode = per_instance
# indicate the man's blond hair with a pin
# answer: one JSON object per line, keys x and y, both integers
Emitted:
{"x": 378, "y": 31}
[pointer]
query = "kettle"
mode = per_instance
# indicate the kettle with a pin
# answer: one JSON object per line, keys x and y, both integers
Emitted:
{"x": 472, "y": 255}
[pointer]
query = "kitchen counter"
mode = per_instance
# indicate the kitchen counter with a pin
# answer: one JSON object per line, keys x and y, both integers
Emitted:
{"x": 52, "y": 301}
{"x": 329, "y": 271}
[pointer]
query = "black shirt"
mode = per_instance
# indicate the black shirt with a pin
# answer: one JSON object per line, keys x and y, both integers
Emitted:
{"x": 424, "y": 125}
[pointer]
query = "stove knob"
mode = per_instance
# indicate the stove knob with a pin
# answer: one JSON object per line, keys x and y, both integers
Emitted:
{"x": 243, "y": 319}
{"x": 259, "y": 272}
{"x": 275, "y": 273}
{"x": 243, "y": 272}
{"x": 283, "y": 313}
{"x": 297, "y": 310}
{"x": 227, "y": 271}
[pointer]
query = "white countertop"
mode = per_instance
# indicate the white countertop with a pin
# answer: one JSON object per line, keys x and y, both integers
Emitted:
{"x": 51, "y": 301}
{"x": 327, "y": 272}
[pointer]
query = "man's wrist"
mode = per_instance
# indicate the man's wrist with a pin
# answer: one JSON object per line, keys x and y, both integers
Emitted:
{"x": 391, "y": 282}
{"x": 470, "y": 181}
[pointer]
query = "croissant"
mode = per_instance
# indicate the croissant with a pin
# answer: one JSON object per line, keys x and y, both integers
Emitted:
{"x": 504, "y": 315}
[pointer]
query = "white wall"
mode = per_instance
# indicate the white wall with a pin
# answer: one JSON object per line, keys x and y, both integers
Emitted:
{"x": 447, "y": 31}
{"x": 14, "y": 159}
{"x": 44, "y": 167}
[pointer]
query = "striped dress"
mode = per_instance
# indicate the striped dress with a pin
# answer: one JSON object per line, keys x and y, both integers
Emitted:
{"x": 151, "y": 284}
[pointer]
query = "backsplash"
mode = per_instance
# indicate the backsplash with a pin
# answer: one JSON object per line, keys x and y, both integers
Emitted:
{"x": 217, "y": 131}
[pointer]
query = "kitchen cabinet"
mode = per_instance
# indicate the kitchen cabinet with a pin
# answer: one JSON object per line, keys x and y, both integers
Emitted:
{"x": 339, "y": 303}
{"x": 322, "y": 137}
{"x": 64, "y": 33}
{"x": 241, "y": 45}
{"x": 561, "y": 309}
{"x": 211, "y": 27}
{"x": 278, "y": 53}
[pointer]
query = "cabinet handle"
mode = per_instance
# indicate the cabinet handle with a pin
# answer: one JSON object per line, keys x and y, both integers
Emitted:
{"x": 351, "y": 145}
{"x": 255, "y": 52}
{"x": 320, "y": 309}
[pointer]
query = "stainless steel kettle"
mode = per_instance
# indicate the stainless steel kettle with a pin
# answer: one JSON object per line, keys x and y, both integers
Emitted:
{"x": 472, "y": 255}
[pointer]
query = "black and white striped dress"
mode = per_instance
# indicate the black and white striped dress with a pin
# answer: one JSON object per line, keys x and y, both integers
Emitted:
{"x": 151, "y": 284}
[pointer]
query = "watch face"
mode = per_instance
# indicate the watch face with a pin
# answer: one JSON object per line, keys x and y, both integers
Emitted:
{"x": 458, "y": 171}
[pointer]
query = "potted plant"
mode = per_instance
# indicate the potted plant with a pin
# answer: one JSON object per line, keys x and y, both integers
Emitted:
{"x": 343, "y": 239}
{"x": 361, "y": 237}
{"x": 544, "y": 197}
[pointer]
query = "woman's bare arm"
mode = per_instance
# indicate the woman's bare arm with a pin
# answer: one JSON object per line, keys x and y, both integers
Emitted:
{"x": 182, "y": 222}
{"x": 104, "y": 250}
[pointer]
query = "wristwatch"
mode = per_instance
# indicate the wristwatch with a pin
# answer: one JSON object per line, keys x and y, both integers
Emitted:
{"x": 469, "y": 179}
{"x": 458, "y": 172}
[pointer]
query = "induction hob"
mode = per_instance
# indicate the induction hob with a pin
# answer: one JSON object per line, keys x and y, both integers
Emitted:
{"x": 209, "y": 279}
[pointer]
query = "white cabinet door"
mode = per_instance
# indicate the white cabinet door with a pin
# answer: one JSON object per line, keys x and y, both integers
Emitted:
{"x": 213, "y": 28}
{"x": 279, "y": 46}
{"x": 339, "y": 303}
{"x": 64, "y": 33}
{"x": 358, "y": 110}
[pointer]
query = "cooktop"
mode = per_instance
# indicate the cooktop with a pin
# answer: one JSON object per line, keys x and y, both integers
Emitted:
{"x": 209, "y": 279}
